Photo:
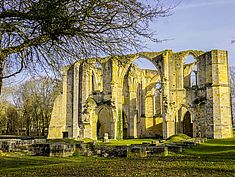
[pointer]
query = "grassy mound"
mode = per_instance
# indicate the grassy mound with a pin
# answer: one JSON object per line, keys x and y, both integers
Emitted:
{"x": 178, "y": 137}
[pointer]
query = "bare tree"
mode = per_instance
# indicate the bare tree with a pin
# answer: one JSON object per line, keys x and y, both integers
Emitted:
{"x": 3, "y": 118}
{"x": 41, "y": 35}
{"x": 35, "y": 100}
{"x": 9, "y": 122}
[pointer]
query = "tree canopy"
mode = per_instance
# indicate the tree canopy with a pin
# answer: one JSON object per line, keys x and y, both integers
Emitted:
{"x": 41, "y": 35}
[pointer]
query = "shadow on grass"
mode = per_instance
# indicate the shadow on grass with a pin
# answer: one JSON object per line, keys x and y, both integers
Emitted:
{"x": 21, "y": 162}
{"x": 91, "y": 166}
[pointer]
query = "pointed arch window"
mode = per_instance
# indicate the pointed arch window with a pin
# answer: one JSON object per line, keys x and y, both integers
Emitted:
{"x": 193, "y": 78}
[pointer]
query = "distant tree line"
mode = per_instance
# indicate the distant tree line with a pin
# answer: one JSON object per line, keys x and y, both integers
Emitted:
{"x": 27, "y": 110}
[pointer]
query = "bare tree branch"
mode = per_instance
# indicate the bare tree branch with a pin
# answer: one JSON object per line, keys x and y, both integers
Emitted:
{"x": 52, "y": 33}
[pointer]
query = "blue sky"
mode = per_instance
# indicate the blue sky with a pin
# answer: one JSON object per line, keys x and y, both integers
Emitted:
{"x": 198, "y": 24}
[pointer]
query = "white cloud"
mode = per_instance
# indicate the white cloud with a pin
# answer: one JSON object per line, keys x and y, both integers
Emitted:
{"x": 199, "y": 3}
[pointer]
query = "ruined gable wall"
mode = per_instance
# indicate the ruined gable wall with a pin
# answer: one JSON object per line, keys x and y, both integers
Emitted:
{"x": 209, "y": 103}
{"x": 58, "y": 119}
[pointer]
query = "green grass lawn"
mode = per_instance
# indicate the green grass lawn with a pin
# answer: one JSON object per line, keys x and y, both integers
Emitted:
{"x": 111, "y": 143}
{"x": 126, "y": 142}
{"x": 213, "y": 158}
{"x": 223, "y": 148}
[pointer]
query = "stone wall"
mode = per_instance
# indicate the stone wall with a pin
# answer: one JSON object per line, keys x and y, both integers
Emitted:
{"x": 111, "y": 95}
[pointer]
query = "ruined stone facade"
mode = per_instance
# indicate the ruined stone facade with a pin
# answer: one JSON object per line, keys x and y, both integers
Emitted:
{"x": 111, "y": 95}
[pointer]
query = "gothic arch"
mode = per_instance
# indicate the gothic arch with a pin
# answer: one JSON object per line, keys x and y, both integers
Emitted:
{"x": 105, "y": 121}
{"x": 150, "y": 56}
{"x": 187, "y": 124}
{"x": 184, "y": 108}
{"x": 189, "y": 59}
{"x": 194, "y": 53}
{"x": 185, "y": 120}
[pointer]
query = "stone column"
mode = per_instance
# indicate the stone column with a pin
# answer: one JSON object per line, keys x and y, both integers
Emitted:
{"x": 168, "y": 119}
{"x": 168, "y": 128}
{"x": 133, "y": 114}
{"x": 116, "y": 98}
{"x": 76, "y": 100}
{"x": 85, "y": 90}
{"x": 69, "y": 101}
{"x": 221, "y": 95}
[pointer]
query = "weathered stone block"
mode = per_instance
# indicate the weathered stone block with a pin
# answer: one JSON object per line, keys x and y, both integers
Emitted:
{"x": 175, "y": 148}
{"x": 157, "y": 150}
{"x": 137, "y": 152}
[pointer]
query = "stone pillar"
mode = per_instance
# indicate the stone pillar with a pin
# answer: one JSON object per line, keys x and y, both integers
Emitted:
{"x": 203, "y": 122}
{"x": 119, "y": 121}
{"x": 94, "y": 119}
{"x": 69, "y": 102}
{"x": 168, "y": 119}
{"x": 168, "y": 128}
{"x": 221, "y": 95}
{"x": 86, "y": 89}
{"x": 76, "y": 100}
{"x": 115, "y": 87}
{"x": 133, "y": 114}
{"x": 114, "y": 124}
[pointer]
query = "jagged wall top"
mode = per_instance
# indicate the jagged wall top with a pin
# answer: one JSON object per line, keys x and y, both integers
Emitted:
{"x": 148, "y": 55}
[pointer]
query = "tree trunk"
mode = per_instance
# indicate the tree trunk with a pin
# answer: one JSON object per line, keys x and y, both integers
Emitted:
{"x": 1, "y": 63}
{"x": 27, "y": 126}
{"x": 43, "y": 125}
{"x": 37, "y": 125}
{"x": 1, "y": 71}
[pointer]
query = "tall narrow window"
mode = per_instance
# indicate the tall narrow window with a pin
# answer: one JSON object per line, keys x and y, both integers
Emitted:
{"x": 194, "y": 76}
{"x": 93, "y": 83}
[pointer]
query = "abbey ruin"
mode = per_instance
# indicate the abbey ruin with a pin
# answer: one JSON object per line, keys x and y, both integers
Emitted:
{"x": 112, "y": 95}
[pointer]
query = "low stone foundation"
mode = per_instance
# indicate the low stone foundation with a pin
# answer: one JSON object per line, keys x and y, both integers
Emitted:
{"x": 145, "y": 149}
{"x": 52, "y": 149}
{"x": 61, "y": 149}
{"x": 39, "y": 149}
{"x": 18, "y": 144}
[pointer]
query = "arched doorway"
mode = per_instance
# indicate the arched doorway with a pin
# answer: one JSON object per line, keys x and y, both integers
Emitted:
{"x": 187, "y": 125}
{"x": 104, "y": 122}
